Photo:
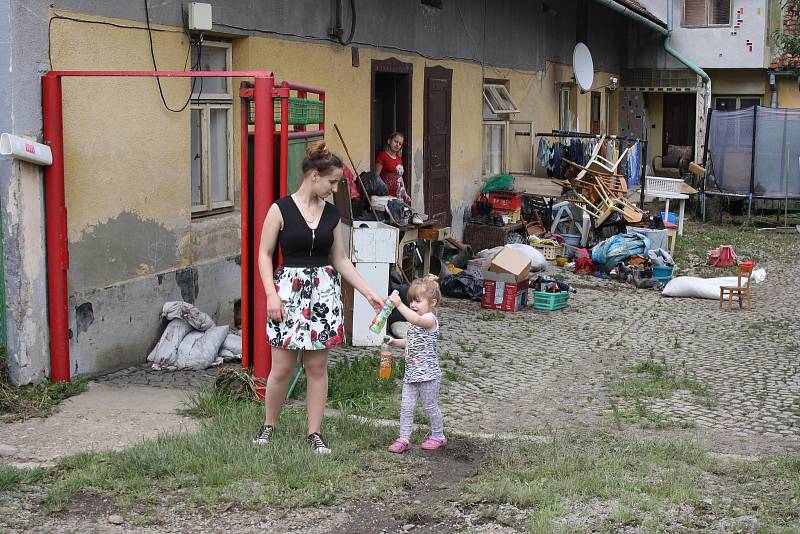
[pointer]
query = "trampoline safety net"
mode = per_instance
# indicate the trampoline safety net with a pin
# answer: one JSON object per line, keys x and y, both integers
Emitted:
{"x": 771, "y": 168}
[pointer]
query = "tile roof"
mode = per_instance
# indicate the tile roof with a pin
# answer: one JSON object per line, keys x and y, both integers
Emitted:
{"x": 640, "y": 9}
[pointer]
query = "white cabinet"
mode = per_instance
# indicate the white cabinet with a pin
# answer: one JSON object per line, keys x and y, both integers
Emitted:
{"x": 372, "y": 247}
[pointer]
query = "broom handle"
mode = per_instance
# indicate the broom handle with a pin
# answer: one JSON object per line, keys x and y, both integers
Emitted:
{"x": 355, "y": 170}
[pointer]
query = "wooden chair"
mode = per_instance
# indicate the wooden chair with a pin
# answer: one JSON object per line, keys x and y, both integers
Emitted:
{"x": 741, "y": 290}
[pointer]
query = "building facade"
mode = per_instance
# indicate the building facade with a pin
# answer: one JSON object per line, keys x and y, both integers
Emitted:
{"x": 153, "y": 195}
{"x": 732, "y": 41}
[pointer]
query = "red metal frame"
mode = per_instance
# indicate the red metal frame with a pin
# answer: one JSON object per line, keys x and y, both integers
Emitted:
{"x": 263, "y": 91}
{"x": 55, "y": 204}
{"x": 262, "y": 365}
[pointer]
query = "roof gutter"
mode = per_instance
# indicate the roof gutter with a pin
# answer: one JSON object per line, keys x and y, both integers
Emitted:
{"x": 631, "y": 14}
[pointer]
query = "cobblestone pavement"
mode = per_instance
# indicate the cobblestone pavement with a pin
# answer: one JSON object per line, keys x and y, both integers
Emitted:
{"x": 530, "y": 371}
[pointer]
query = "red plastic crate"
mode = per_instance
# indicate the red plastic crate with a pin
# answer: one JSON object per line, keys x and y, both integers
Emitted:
{"x": 505, "y": 201}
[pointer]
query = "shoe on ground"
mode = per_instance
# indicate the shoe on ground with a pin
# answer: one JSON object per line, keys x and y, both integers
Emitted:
{"x": 262, "y": 438}
{"x": 316, "y": 441}
{"x": 399, "y": 446}
{"x": 433, "y": 443}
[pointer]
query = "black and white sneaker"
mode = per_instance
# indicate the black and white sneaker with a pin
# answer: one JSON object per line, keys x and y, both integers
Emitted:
{"x": 315, "y": 440}
{"x": 262, "y": 438}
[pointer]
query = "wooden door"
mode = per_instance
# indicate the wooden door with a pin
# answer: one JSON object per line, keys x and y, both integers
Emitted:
{"x": 436, "y": 143}
{"x": 679, "y": 111}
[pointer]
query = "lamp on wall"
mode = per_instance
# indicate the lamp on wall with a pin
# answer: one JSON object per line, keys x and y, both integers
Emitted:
{"x": 613, "y": 84}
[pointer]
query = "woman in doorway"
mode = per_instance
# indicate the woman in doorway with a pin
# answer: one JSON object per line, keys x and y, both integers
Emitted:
{"x": 389, "y": 166}
{"x": 304, "y": 302}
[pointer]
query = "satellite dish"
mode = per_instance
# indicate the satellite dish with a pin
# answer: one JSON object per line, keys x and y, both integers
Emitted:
{"x": 583, "y": 66}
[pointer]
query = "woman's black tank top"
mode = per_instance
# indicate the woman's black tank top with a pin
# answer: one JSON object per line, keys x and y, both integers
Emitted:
{"x": 300, "y": 245}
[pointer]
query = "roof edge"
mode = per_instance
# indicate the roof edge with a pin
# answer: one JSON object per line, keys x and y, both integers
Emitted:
{"x": 639, "y": 9}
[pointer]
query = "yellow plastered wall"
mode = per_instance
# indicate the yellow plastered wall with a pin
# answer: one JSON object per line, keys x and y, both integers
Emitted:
{"x": 122, "y": 149}
{"x": 788, "y": 93}
{"x": 126, "y": 153}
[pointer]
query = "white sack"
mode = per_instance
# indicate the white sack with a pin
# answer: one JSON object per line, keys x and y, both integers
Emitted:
{"x": 228, "y": 356}
{"x": 200, "y": 350}
{"x": 538, "y": 263}
{"x": 165, "y": 352}
{"x": 187, "y": 312}
{"x": 705, "y": 288}
{"x": 232, "y": 344}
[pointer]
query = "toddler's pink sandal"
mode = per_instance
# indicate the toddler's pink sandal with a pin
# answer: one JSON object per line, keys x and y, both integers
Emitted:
{"x": 399, "y": 446}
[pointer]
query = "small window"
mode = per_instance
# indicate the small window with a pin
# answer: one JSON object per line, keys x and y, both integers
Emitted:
{"x": 211, "y": 126}
{"x": 212, "y": 56}
{"x": 704, "y": 13}
{"x": 566, "y": 109}
{"x": 494, "y": 147}
{"x": 432, "y": 3}
{"x": 498, "y": 99}
{"x": 732, "y": 103}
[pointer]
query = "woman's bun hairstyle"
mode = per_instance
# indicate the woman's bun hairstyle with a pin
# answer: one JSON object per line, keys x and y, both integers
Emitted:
{"x": 319, "y": 158}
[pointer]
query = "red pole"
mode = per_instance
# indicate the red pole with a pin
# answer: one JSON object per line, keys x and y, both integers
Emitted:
{"x": 56, "y": 230}
{"x": 322, "y": 124}
{"x": 284, "y": 162}
{"x": 245, "y": 208}
{"x": 263, "y": 197}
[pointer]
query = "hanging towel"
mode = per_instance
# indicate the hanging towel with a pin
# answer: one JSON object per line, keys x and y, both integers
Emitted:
{"x": 633, "y": 164}
{"x": 544, "y": 153}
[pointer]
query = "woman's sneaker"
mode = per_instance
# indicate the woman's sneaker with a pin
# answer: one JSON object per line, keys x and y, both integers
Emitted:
{"x": 262, "y": 438}
{"x": 315, "y": 440}
{"x": 434, "y": 443}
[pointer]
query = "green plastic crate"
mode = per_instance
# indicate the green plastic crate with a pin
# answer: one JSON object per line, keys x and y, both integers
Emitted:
{"x": 549, "y": 301}
{"x": 301, "y": 111}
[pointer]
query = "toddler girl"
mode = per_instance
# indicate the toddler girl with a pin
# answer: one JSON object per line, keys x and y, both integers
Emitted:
{"x": 423, "y": 375}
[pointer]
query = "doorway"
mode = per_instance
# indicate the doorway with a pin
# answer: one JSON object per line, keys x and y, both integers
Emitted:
{"x": 679, "y": 120}
{"x": 391, "y": 109}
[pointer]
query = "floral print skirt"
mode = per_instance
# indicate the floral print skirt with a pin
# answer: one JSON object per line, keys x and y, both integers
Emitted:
{"x": 312, "y": 297}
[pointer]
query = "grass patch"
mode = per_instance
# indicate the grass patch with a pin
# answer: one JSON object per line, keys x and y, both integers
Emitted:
{"x": 38, "y": 400}
{"x": 667, "y": 485}
{"x": 354, "y": 387}
{"x": 747, "y": 241}
{"x": 652, "y": 379}
{"x": 12, "y": 477}
{"x": 218, "y": 465}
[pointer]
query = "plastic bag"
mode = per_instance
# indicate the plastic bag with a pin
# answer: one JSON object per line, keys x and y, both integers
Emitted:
{"x": 462, "y": 286}
{"x": 661, "y": 257}
{"x": 538, "y": 263}
{"x": 200, "y": 350}
{"x": 374, "y": 185}
{"x": 165, "y": 353}
{"x": 498, "y": 182}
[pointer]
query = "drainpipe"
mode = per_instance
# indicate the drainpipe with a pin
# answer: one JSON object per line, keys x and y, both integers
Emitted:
{"x": 774, "y": 91}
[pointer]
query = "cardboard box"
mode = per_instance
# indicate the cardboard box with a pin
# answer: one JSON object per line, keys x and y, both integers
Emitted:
{"x": 511, "y": 262}
{"x": 503, "y": 291}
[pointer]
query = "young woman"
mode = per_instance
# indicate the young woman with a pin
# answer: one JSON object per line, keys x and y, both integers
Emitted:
{"x": 389, "y": 166}
{"x": 304, "y": 304}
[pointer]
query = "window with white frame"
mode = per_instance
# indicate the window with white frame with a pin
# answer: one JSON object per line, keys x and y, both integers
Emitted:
{"x": 498, "y": 106}
{"x": 704, "y": 13}
{"x": 566, "y": 111}
{"x": 212, "y": 131}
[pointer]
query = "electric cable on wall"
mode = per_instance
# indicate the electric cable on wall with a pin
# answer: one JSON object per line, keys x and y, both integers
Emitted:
{"x": 198, "y": 43}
